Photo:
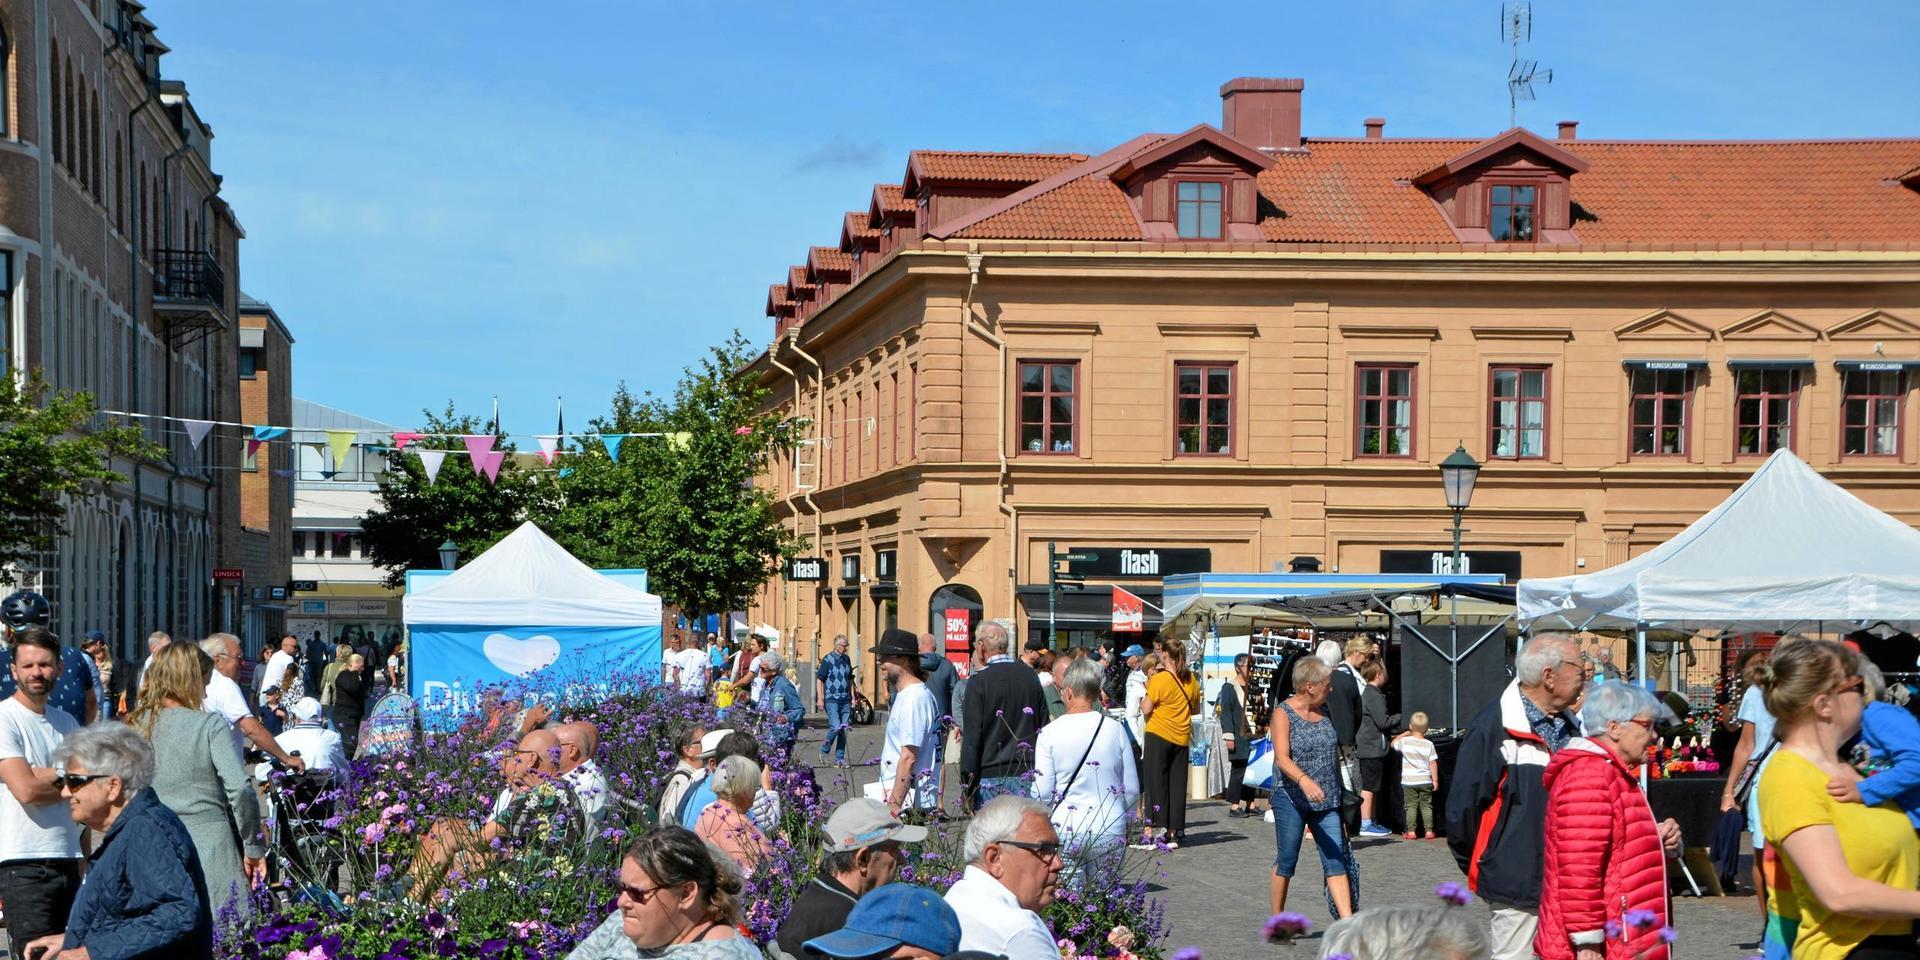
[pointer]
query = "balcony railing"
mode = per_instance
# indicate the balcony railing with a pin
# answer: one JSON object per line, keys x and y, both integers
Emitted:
{"x": 188, "y": 277}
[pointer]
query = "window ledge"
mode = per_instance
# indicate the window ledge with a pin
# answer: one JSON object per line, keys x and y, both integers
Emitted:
{"x": 1209, "y": 329}
{"x": 1356, "y": 331}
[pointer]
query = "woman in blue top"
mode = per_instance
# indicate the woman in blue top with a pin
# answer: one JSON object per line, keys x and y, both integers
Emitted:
{"x": 1306, "y": 768}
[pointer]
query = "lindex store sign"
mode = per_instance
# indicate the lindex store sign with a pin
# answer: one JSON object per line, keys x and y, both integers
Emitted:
{"x": 1095, "y": 561}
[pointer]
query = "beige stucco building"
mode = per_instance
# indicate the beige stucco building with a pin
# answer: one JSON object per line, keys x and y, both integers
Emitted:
{"x": 1226, "y": 349}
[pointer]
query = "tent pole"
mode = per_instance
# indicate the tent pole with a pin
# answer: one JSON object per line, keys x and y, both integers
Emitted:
{"x": 1640, "y": 671}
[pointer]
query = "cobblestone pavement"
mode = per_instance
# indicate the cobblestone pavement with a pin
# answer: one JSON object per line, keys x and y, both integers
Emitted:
{"x": 1215, "y": 886}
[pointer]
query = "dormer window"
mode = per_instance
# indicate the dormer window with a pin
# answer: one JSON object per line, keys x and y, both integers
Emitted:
{"x": 1200, "y": 209}
{"x": 1511, "y": 213}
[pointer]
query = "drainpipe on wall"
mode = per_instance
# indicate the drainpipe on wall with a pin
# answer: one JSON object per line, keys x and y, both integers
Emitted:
{"x": 793, "y": 618}
{"x": 138, "y": 347}
{"x": 974, "y": 261}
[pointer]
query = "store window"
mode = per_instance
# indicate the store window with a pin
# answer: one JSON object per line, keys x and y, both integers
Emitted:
{"x": 1764, "y": 410}
{"x": 1049, "y": 401}
{"x": 1203, "y": 409}
{"x": 1517, "y": 419}
{"x": 1872, "y": 426}
{"x": 1662, "y": 400}
{"x": 1384, "y": 398}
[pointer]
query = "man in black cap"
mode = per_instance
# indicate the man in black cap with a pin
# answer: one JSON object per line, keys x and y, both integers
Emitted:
{"x": 1005, "y": 709}
{"x": 907, "y": 774}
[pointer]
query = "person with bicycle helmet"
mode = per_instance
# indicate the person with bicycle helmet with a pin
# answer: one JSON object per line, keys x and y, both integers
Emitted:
{"x": 74, "y": 692}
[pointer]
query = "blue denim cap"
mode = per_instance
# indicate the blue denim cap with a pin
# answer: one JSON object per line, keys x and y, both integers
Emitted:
{"x": 1134, "y": 651}
{"x": 890, "y": 916}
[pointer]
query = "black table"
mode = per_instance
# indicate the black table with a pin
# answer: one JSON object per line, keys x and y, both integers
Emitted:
{"x": 1692, "y": 801}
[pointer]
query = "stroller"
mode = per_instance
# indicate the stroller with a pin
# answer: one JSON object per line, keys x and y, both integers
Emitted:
{"x": 304, "y": 856}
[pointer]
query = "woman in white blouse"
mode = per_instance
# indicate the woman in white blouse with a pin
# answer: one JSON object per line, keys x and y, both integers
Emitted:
{"x": 1083, "y": 766}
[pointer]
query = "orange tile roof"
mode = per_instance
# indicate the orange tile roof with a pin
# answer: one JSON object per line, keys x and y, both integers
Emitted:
{"x": 856, "y": 228}
{"x": 777, "y": 299}
{"x": 893, "y": 198}
{"x": 829, "y": 260}
{"x": 797, "y": 284}
{"x": 988, "y": 167}
{"x": 1086, "y": 208}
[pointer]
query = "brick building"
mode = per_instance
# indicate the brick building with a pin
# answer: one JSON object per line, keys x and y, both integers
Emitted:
{"x": 1226, "y": 348}
{"x": 265, "y": 367}
{"x": 120, "y": 268}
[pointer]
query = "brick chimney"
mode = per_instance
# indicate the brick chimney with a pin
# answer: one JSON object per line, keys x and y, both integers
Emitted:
{"x": 1567, "y": 127}
{"x": 1376, "y": 128}
{"x": 1262, "y": 112}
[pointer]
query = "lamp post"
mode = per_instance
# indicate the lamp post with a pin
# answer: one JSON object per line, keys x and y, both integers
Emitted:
{"x": 1457, "y": 474}
{"x": 450, "y": 554}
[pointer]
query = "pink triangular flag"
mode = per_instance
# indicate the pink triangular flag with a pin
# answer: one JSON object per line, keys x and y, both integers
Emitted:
{"x": 549, "y": 447}
{"x": 478, "y": 444}
{"x": 253, "y": 447}
{"x": 488, "y": 462}
{"x": 400, "y": 440}
{"x": 197, "y": 431}
{"x": 430, "y": 461}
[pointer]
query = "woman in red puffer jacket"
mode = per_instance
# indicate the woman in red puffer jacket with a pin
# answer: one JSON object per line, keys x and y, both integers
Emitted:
{"x": 1604, "y": 893}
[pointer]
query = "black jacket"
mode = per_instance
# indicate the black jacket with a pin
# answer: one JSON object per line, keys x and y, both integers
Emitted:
{"x": 1497, "y": 807}
{"x": 1005, "y": 710}
{"x": 1376, "y": 724}
{"x": 1234, "y": 721}
{"x": 820, "y": 909}
{"x": 1343, "y": 704}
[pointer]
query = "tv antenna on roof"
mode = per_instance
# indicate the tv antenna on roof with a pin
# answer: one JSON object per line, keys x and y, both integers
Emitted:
{"x": 1516, "y": 27}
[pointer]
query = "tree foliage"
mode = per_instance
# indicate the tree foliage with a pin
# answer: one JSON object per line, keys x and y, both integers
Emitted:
{"x": 45, "y": 454}
{"x": 415, "y": 517}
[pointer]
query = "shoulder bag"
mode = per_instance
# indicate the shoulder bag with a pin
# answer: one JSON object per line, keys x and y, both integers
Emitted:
{"x": 1061, "y": 796}
{"x": 1749, "y": 778}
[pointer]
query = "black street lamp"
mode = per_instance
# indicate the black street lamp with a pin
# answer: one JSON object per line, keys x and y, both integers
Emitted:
{"x": 1457, "y": 473}
{"x": 450, "y": 554}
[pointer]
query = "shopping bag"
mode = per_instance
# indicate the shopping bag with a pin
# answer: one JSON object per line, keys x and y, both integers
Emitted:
{"x": 1259, "y": 773}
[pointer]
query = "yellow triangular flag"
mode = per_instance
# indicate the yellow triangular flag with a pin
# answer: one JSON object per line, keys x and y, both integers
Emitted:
{"x": 679, "y": 441}
{"x": 340, "y": 441}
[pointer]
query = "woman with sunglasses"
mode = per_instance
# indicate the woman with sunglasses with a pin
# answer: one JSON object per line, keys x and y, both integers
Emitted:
{"x": 144, "y": 895}
{"x": 1605, "y": 856}
{"x": 677, "y": 901}
{"x": 1852, "y": 868}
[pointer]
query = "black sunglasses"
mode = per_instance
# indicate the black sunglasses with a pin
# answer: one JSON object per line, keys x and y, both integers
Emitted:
{"x": 74, "y": 781}
{"x": 1045, "y": 851}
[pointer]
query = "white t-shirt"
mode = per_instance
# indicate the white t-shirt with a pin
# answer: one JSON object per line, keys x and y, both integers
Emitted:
{"x": 914, "y": 721}
{"x": 1415, "y": 754}
{"x": 1094, "y": 796}
{"x": 759, "y": 683}
{"x": 693, "y": 670}
{"x": 1753, "y": 709}
{"x": 224, "y": 699}
{"x": 46, "y": 831}
{"x": 276, "y": 673}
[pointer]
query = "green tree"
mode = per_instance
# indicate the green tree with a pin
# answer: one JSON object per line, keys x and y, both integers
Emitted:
{"x": 415, "y": 517}
{"x": 45, "y": 455}
{"x": 594, "y": 506}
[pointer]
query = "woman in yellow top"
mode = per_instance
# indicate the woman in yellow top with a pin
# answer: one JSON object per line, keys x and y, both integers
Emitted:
{"x": 1171, "y": 700}
{"x": 1852, "y": 868}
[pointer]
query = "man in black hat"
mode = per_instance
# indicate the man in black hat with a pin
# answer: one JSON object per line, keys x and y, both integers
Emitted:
{"x": 1005, "y": 710}
{"x": 907, "y": 773}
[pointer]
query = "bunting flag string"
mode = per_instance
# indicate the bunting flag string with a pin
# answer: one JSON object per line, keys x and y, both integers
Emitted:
{"x": 341, "y": 442}
{"x": 197, "y": 431}
{"x": 612, "y": 442}
{"x": 402, "y": 438}
{"x": 430, "y": 461}
{"x": 549, "y": 447}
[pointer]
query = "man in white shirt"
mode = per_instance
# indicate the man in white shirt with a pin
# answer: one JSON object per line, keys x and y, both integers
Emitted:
{"x": 579, "y": 741}
{"x": 319, "y": 747}
{"x": 39, "y": 841}
{"x": 277, "y": 667}
{"x": 759, "y": 647}
{"x": 913, "y": 723}
{"x": 225, "y": 699}
{"x": 1013, "y": 872}
{"x": 693, "y": 667}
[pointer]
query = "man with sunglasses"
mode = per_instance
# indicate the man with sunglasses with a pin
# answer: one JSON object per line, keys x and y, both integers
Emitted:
{"x": 39, "y": 841}
{"x": 1497, "y": 803}
{"x": 1013, "y": 872}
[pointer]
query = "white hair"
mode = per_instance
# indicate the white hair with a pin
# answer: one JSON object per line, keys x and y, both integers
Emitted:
{"x": 772, "y": 661}
{"x": 1328, "y": 652}
{"x": 1084, "y": 677}
{"x": 1542, "y": 653}
{"x": 736, "y": 776}
{"x": 110, "y": 749}
{"x": 1616, "y": 700}
{"x": 1406, "y": 931}
{"x": 994, "y": 642}
{"x": 999, "y": 820}
{"x": 215, "y": 645}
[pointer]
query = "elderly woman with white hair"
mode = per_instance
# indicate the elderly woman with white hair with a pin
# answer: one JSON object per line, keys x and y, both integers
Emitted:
{"x": 145, "y": 895}
{"x": 1084, "y": 772}
{"x": 1428, "y": 931}
{"x": 1604, "y": 888}
{"x": 780, "y": 701}
{"x": 726, "y": 822}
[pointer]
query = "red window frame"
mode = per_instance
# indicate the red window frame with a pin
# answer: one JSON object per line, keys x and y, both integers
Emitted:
{"x": 1886, "y": 389}
{"x": 1385, "y": 396}
{"x": 1658, "y": 395}
{"x": 1519, "y": 400}
{"x": 1202, "y": 420}
{"x": 1512, "y": 206}
{"x": 1046, "y": 395}
{"x": 1763, "y": 423}
{"x": 1199, "y": 203}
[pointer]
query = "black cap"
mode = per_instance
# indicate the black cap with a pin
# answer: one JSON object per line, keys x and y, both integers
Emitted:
{"x": 1039, "y": 643}
{"x": 896, "y": 643}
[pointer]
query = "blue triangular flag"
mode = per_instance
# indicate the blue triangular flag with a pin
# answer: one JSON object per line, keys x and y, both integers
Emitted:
{"x": 612, "y": 440}
{"x": 268, "y": 433}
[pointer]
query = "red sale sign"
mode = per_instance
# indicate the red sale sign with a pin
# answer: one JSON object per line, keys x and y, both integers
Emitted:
{"x": 958, "y": 634}
{"x": 1129, "y": 612}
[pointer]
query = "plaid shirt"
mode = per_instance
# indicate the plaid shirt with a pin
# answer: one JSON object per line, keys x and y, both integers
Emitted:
{"x": 1555, "y": 729}
{"x": 837, "y": 672}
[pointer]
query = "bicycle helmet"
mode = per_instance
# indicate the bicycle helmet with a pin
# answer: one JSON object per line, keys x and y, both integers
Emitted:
{"x": 24, "y": 608}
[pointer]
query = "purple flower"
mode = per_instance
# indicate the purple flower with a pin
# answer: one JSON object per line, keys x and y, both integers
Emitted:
{"x": 1454, "y": 893}
{"x": 1187, "y": 953}
{"x": 1668, "y": 935}
{"x": 1196, "y": 954}
{"x": 1284, "y": 927}
{"x": 1612, "y": 928}
{"x": 1641, "y": 919}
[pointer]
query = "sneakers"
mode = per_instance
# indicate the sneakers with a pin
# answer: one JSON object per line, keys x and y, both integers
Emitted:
{"x": 1370, "y": 829}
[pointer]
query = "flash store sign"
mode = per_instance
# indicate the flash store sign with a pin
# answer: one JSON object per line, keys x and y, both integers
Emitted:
{"x": 806, "y": 570}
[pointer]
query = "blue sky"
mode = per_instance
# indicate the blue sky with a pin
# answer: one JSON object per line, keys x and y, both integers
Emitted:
{"x": 458, "y": 200}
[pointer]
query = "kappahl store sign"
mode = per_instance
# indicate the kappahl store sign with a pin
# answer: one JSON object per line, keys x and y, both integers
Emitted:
{"x": 1140, "y": 561}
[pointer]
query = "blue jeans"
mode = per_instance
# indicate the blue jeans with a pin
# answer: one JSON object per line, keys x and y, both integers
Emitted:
{"x": 839, "y": 715}
{"x": 991, "y": 787}
{"x": 1290, "y": 823}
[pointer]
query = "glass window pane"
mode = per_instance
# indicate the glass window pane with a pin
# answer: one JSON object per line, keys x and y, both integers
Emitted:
{"x": 1856, "y": 440}
{"x": 1503, "y": 413}
{"x": 1749, "y": 439}
{"x": 1503, "y": 443}
{"x": 1642, "y": 440}
{"x": 1670, "y": 440}
{"x": 1747, "y": 381}
{"x": 1523, "y": 195}
{"x": 1061, "y": 408}
{"x": 1030, "y": 437}
{"x": 1189, "y": 381}
{"x": 1503, "y": 382}
{"x": 1219, "y": 380}
{"x": 1030, "y": 374}
{"x": 1187, "y": 223}
{"x": 1062, "y": 378}
{"x": 1402, "y": 413}
{"x": 1523, "y": 223}
{"x": 1062, "y": 438}
{"x": 1533, "y": 414}
{"x": 1189, "y": 440}
{"x": 1534, "y": 383}
{"x": 1500, "y": 225}
{"x": 1211, "y": 192}
{"x": 1502, "y": 194}
{"x": 1370, "y": 382}
{"x": 1749, "y": 411}
{"x": 1533, "y": 443}
{"x": 1886, "y": 440}
{"x": 1032, "y": 409}
{"x": 1370, "y": 413}
{"x": 1189, "y": 411}
{"x": 1189, "y": 191}
{"x": 1210, "y": 220}
{"x": 1217, "y": 440}
{"x": 1217, "y": 412}
{"x": 1399, "y": 441}
{"x": 1643, "y": 412}
{"x": 1856, "y": 411}
{"x": 1781, "y": 439}
{"x": 1400, "y": 382}
{"x": 1777, "y": 411}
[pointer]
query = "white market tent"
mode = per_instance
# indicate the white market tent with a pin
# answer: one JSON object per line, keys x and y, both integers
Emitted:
{"x": 1788, "y": 548}
{"x": 524, "y": 580}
